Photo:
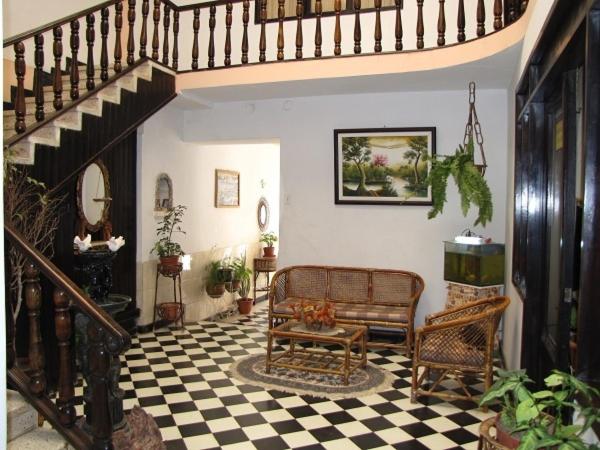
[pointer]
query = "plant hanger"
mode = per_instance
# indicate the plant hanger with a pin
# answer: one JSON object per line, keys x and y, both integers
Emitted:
{"x": 474, "y": 125}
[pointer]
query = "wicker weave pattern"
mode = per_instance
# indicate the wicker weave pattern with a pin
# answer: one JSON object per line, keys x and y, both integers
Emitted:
{"x": 378, "y": 313}
{"x": 278, "y": 288}
{"x": 457, "y": 341}
{"x": 307, "y": 283}
{"x": 349, "y": 286}
{"x": 394, "y": 288}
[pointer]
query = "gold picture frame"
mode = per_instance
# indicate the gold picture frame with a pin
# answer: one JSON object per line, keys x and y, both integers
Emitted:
{"x": 227, "y": 189}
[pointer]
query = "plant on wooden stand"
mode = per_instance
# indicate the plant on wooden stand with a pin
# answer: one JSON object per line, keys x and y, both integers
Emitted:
{"x": 168, "y": 250}
{"x": 269, "y": 239}
{"x": 532, "y": 420}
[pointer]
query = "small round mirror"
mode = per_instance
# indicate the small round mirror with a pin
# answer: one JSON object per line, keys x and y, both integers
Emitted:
{"x": 93, "y": 196}
{"x": 263, "y": 214}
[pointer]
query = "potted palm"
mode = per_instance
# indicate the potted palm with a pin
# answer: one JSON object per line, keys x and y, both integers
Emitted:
{"x": 239, "y": 269}
{"x": 532, "y": 420}
{"x": 215, "y": 282}
{"x": 269, "y": 239}
{"x": 168, "y": 250}
{"x": 244, "y": 302}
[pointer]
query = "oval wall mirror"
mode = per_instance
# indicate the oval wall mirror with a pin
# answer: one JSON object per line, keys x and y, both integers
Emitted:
{"x": 263, "y": 213}
{"x": 93, "y": 197}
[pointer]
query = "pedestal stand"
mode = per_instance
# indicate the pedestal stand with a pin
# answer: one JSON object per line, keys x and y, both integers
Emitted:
{"x": 173, "y": 272}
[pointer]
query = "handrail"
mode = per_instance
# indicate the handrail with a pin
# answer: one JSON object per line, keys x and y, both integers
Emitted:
{"x": 81, "y": 301}
{"x": 57, "y": 23}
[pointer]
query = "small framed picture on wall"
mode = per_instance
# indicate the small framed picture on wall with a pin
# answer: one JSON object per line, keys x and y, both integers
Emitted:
{"x": 227, "y": 189}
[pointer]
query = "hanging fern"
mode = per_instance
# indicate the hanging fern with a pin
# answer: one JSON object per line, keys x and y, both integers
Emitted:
{"x": 472, "y": 187}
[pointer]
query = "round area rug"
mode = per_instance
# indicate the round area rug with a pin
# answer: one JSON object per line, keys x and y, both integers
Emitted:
{"x": 367, "y": 381}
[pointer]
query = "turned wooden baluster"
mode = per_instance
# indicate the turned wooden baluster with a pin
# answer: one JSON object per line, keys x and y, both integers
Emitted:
{"x": 62, "y": 320}
{"x": 20, "y": 97}
{"x": 378, "y": 26}
{"x": 99, "y": 364}
{"x": 280, "y": 40}
{"x": 74, "y": 41}
{"x": 104, "y": 48}
{"x": 460, "y": 22}
{"x": 299, "y": 38}
{"x": 398, "y": 31}
{"x": 39, "y": 77}
{"x": 118, "y": 25}
{"x": 497, "y": 14}
{"x": 420, "y": 25}
{"x": 196, "y": 25}
{"x": 480, "y": 18}
{"x": 212, "y": 22}
{"x": 166, "y": 25}
{"x": 357, "y": 30}
{"x": 144, "y": 32}
{"x": 318, "y": 34}
{"x": 262, "y": 44}
{"x": 130, "y": 37}
{"x": 32, "y": 292}
{"x": 90, "y": 35}
{"x": 245, "y": 20}
{"x": 441, "y": 40}
{"x": 156, "y": 20}
{"x": 228, "y": 21}
{"x": 175, "y": 39}
{"x": 337, "y": 34}
{"x": 57, "y": 50}
{"x": 11, "y": 355}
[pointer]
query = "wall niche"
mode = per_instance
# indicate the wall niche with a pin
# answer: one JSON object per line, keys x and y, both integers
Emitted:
{"x": 163, "y": 196}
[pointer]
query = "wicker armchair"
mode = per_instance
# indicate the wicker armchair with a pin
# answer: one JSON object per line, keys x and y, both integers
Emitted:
{"x": 457, "y": 342}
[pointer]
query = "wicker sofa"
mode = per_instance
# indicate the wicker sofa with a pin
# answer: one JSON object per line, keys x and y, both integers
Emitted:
{"x": 371, "y": 297}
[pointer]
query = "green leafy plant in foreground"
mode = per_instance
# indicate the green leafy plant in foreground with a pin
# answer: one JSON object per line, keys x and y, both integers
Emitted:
{"x": 543, "y": 418}
{"x": 169, "y": 224}
{"x": 472, "y": 187}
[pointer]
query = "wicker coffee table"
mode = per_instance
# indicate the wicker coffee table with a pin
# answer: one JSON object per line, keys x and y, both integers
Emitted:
{"x": 318, "y": 359}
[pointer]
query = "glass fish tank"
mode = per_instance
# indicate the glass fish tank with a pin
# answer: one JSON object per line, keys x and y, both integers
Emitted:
{"x": 476, "y": 265}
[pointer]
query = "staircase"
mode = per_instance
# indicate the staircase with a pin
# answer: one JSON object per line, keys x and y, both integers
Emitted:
{"x": 23, "y": 431}
{"x": 73, "y": 114}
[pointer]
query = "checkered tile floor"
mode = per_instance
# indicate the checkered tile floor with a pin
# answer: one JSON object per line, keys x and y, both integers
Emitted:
{"x": 181, "y": 378}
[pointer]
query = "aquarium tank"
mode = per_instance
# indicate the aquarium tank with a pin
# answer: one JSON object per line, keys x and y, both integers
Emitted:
{"x": 474, "y": 264}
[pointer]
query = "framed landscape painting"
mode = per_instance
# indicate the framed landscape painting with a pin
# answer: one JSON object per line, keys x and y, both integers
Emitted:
{"x": 387, "y": 166}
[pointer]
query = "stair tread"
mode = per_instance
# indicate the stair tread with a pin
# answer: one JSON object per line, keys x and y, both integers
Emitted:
{"x": 21, "y": 416}
{"x": 45, "y": 438}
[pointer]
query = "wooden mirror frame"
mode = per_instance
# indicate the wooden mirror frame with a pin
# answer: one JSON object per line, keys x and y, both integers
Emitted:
{"x": 263, "y": 203}
{"x": 103, "y": 223}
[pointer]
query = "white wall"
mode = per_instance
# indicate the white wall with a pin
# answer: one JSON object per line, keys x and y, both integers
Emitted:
{"x": 514, "y": 314}
{"x": 315, "y": 230}
{"x": 210, "y": 231}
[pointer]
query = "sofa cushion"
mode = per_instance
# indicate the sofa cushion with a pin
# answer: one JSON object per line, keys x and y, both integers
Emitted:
{"x": 392, "y": 288}
{"x": 379, "y": 313}
{"x": 307, "y": 282}
{"x": 283, "y": 307}
{"x": 349, "y": 285}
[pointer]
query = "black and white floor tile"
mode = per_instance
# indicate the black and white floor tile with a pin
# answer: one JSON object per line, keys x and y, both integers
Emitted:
{"x": 181, "y": 378}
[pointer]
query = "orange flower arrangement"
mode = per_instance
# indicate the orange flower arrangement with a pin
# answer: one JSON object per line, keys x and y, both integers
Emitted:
{"x": 314, "y": 315}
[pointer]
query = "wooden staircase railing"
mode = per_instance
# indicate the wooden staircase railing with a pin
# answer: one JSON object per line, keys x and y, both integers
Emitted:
{"x": 147, "y": 23}
{"x": 107, "y": 340}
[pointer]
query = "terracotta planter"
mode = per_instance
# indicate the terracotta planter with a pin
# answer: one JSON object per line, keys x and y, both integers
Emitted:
{"x": 504, "y": 437}
{"x": 245, "y": 305}
{"x": 268, "y": 252}
{"x": 216, "y": 290}
{"x": 170, "y": 311}
{"x": 169, "y": 261}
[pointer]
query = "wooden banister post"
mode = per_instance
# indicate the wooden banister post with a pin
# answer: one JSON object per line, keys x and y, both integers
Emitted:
{"x": 57, "y": 49}
{"x": 144, "y": 31}
{"x": 99, "y": 365}
{"x": 118, "y": 26}
{"x": 38, "y": 86}
{"x": 104, "y": 45}
{"x": 20, "y": 98}
{"x": 62, "y": 320}
{"x": 245, "y": 20}
{"x": 196, "y": 27}
{"x": 90, "y": 35}
{"x": 74, "y": 59}
{"x": 33, "y": 299}
{"x": 130, "y": 37}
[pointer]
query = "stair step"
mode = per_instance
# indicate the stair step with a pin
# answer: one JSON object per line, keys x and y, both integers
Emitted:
{"x": 40, "y": 438}
{"x": 21, "y": 416}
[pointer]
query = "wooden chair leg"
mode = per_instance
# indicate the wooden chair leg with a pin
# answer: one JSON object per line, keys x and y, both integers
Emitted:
{"x": 414, "y": 387}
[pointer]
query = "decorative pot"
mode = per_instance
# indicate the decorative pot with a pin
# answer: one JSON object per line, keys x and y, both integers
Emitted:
{"x": 215, "y": 290}
{"x": 268, "y": 252}
{"x": 233, "y": 286}
{"x": 169, "y": 261}
{"x": 504, "y": 437}
{"x": 245, "y": 305}
{"x": 170, "y": 311}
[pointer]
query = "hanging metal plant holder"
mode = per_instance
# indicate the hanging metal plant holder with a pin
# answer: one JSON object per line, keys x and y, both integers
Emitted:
{"x": 473, "y": 127}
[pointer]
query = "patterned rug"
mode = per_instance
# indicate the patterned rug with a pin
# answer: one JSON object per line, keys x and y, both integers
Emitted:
{"x": 368, "y": 381}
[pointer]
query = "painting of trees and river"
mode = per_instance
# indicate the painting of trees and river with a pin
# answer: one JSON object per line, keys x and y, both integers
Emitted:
{"x": 384, "y": 166}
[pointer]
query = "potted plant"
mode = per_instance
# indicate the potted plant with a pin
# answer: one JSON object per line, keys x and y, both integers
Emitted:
{"x": 215, "y": 283}
{"x": 239, "y": 269}
{"x": 167, "y": 250}
{"x": 532, "y": 420}
{"x": 226, "y": 270}
{"x": 269, "y": 239}
{"x": 244, "y": 302}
